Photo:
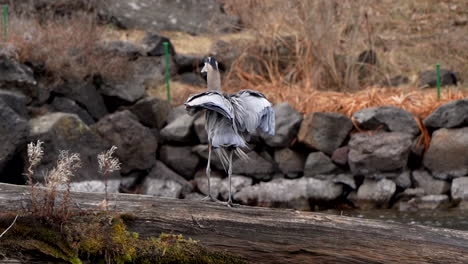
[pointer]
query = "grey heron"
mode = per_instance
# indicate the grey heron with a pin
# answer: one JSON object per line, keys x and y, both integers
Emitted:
{"x": 230, "y": 119}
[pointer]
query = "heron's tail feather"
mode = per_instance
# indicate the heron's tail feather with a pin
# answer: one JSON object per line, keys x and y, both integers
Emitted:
{"x": 223, "y": 155}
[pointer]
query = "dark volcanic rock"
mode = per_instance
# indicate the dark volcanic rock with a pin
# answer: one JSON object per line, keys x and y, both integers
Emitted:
{"x": 202, "y": 152}
{"x": 152, "y": 111}
{"x": 180, "y": 159}
{"x": 459, "y": 189}
{"x": 287, "y": 121}
{"x": 429, "y": 78}
{"x": 63, "y": 131}
{"x": 340, "y": 155}
{"x": 446, "y": 156}
{"x": 199, "y": 126}
{"x": 179, "y": 130}
{"x": 318, "y": 163}
{"x": 13, "y": 133}
{"x": 375, "y": 194}
{"x": 380, "y": 152}
{"x": 13, "y": 72}
{"x": 290, "y": 162}
{"x": 389, "y": 118}
{"x": 324, "y": 131}
{"x": 162, "y": 181}
{"x": 16, "y": 101}
{"x": 154, "y": 45}
{"x": 449, "y": 115}
{"x": 136, "y": 144}
{"x": 256, "y": 166}
{"x": 65, "y": 105}
{"x": 188, "y": 16}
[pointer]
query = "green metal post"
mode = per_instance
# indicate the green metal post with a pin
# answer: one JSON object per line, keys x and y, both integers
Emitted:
{"x": 438, "y": 81}
{"x": 168, "y": 75}
{"x": 5, "y": 22}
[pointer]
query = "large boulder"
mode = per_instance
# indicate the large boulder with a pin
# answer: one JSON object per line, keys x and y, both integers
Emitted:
{"x": 375, "y": 194}
{"x": 390, "y": 118}
{"x": 290, "y": 162}
{"x": 193, "y": 16}
{"x": 324, "y": 131}
{"x": 16, "y": 101}
{"x": 13, "y": 72}
{"x": 429, "y": 78}
{"x": 63, "y": 131}
{"x": 199, "y": 126}
{"x": 136, "y": 144}
{"x": 13, "y": 133}
{"x": 202, "y": 152}
{"x": 180, "y": 130}
{"x": 318, "y": 163}
{"x": 430, "y": 185}
{"x": 449, "y": 115}
{"x": 404, "y": 180}
{"x": 152, "y": 111}
{"x": 85, "y": 94}
{"x": 181, "y": 159}
{"x": 164, "y": 182}
{"x": 65, "y": 105}
{"x": 287, "y": 123}
{"x": 371, "y": 154}
{"x": 256, "y": 166}
{"x": 289, "y": 193}
{"x": 446, "y": 156}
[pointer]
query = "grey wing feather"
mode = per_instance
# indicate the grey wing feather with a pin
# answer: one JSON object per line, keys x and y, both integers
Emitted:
{"x": 211, "y": 100}
{"x": 252, "y": 110}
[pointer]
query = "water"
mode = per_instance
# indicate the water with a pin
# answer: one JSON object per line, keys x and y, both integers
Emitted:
{"x": 454, "y": 219}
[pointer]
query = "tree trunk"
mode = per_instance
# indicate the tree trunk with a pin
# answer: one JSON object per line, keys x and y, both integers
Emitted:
{"x": 264, "y": 235}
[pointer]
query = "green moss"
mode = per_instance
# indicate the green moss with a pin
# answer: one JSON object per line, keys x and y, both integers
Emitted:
{"x": 102, "y": 237}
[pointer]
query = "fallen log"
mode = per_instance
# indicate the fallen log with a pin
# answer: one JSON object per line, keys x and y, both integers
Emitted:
{"x": 264, "y": 235}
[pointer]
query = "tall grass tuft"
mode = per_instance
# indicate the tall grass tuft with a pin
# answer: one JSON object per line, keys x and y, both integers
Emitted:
{"x": 107, "y": 165}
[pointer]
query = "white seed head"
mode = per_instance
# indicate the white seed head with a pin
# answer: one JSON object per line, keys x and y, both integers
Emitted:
{"x": 107, "y": 163}
{"x": 35, "y": 153}
{"x": 67, "y": 164}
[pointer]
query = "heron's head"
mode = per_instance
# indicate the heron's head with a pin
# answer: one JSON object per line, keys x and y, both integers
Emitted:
{"x": 210, "y": 65}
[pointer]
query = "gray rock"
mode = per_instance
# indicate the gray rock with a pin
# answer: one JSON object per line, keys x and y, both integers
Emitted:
{"x": 16, "y": 101}
{"x": 238, "y": 182}
{"x": 181, "y": 159}
{"x": 122, "y": 47}
{"x": 318, "y": 163}
{"x": 459, "y": 190}
{"x": 427, "y": 202}
{"x": 189, "y": 63}
{"x": 287, "y": 123}
{"x": 191, "y": 78}
{"x": 84, "y": 93}
{"x": 285, "y": 192}
{"x": 95, "y": 186}
{"x": 201, "y": 181}
{"x": 152, "y": 111}
{"x": 11, "y": 71}
{"x": 63, "y": 131}
{"x": 65, "y": 105}
{"x": 255, "y": 166}
{"x": 346, "y": 179}
{"x": 179, "y": 130}
{"x": 175, "y": 113}
{"x": 136, "y": 144}
{"x": 199, "y": 126}
{"x": 375, "y": 194}
{"x": 422, "y": 179}
{"x": 290, "y": 162}
{"x": 194, "y": 196}
{"x": 403, "y": 180}
{"x": 429, "y": 78}
{"x": 380, "y": 152}
{"x": 324, "y": 131}
{"x": 446, "y": 156}
{"x": 154, "y": 45}
{"x": 389, "y": 118}
{"x": 411, "y": 193}
{"x": 165, "y": 15}
{"x": 449, "y": 115}
{"x": 13, "y": 133}
{"x": 164, "y": 182}
{"x": 340, "y": 155}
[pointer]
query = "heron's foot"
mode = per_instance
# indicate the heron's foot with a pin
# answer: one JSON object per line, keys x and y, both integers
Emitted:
{"x": 229, "y": 203}
{"x": 210, "y": 198}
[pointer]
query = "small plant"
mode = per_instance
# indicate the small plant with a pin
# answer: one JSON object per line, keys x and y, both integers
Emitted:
{"x": 35, "y": 154}
{"x": 107, "y": 165}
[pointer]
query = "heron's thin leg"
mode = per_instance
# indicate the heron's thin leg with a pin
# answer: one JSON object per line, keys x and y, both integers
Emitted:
{"x": 208, "y": 174}
{"x": 229, "y": 202}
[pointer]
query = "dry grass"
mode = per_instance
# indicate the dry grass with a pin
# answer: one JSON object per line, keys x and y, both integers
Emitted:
{"x": 67, "y": 47}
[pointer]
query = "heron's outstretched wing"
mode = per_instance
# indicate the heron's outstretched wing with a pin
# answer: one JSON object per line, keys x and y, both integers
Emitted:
{"x": 210, "y": 100}
{"x": 252, "y": 110}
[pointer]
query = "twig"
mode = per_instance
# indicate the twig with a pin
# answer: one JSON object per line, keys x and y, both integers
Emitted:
{"x": 9, "y": 226}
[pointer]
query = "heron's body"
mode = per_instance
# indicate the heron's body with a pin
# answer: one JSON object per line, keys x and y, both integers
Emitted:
{"x": 230, "y": 118}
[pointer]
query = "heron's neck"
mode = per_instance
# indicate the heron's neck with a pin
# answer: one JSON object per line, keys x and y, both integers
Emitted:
{"x": 214, "y": 80}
